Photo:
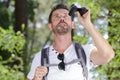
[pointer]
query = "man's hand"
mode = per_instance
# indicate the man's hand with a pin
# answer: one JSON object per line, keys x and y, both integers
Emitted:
{"x": 40, "y": 72}
{"x": 85, "y": 19}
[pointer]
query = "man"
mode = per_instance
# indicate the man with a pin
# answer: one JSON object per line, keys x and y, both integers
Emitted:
{"x": 61, "y": 24}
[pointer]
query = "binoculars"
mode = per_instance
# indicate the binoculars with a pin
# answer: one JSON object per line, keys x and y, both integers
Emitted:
{"x": 74, "y": 8}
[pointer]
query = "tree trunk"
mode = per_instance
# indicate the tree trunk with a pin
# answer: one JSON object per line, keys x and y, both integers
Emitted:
{"x": 21, "y": 18}
{"x": 20, "y": 15}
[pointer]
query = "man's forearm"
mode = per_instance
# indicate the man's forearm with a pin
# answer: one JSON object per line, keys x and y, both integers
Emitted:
{"x": 104, "y": 49}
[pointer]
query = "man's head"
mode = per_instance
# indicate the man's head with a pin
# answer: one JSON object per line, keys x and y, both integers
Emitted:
{"x": 60, "y": 21}
{"x": 59, "y": 6}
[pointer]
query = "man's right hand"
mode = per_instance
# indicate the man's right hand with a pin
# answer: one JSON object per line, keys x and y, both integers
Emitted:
{"x": 40, "y": 72}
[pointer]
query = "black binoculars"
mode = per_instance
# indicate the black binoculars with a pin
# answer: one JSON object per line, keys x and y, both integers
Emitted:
{"x": 74, "y": 8}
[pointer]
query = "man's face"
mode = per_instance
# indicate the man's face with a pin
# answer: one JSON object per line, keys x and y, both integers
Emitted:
{"x": 61, "y": 22}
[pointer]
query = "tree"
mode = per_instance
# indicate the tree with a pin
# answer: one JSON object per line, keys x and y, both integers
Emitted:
{"x": 19, "y": 22}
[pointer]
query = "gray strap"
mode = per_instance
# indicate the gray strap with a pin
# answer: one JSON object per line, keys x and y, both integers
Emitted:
{"x": 85, "y": 70}
{"x": 45, "y": 59}
{"x": 71, "y": 62}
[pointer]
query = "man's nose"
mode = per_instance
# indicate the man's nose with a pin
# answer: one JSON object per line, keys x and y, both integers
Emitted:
{"x": 62, "y": 18}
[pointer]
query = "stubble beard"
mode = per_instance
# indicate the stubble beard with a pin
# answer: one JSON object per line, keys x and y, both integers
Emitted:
{"x": 61, "y": 29}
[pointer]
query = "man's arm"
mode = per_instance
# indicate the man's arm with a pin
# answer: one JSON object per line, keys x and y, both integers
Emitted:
{"x": 103, "y": 52}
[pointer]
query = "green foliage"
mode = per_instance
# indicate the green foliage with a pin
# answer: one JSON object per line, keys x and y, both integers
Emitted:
{"x": 112, "y": 69}
{"x": 4, "y": 17}
{"x": 6, "y": 73}
{"x": 81, "y": 39}
{"x": 32, "y": 5}
{"x": 11, "y": 41}
{"x": 6, "y": 14}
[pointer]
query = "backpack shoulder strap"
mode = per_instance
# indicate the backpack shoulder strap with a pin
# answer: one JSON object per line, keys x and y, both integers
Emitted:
{"x": 45, "y": 58}
{"x": 83, "y": 60}
{"x": 79, "y": 49}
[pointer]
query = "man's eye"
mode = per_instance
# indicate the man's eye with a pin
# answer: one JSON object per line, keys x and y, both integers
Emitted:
{"x": 55, "y": 16}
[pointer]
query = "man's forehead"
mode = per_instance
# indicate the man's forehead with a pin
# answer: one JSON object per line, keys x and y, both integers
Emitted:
{"x": 60, "y": 11}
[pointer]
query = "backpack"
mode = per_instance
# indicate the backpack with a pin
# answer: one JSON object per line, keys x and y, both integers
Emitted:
{"x": 79, "y": 52}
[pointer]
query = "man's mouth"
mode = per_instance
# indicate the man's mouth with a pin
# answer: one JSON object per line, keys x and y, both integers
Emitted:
{"x": 62, "y": 24}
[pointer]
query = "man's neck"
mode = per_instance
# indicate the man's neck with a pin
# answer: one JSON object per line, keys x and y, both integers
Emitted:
{"x": 62, "y": 43}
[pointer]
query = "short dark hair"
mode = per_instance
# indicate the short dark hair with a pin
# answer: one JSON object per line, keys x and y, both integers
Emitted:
{"x": 59, "y": 6}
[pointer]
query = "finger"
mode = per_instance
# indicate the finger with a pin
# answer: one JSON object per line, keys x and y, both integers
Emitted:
{"x": 87, "y": 13}
{"x": 42, "y": 70}
{"x": 38, "y": 77}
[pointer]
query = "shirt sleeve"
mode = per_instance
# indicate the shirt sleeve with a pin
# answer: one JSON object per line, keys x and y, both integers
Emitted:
{"x": 35, "y": 63}
{"x": 88, "y": 49}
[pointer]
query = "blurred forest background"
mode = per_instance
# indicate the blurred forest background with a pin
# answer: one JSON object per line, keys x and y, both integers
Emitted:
{"x": 23, "y": 32}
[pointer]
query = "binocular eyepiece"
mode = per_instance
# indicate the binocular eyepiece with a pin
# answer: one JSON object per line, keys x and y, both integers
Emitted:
{"x": 74, "y": 8}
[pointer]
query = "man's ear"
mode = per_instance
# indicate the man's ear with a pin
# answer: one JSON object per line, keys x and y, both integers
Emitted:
{"x": 73, "y": 25}
{"x": 50, "y": 26}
